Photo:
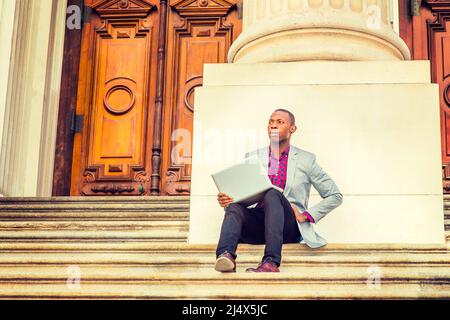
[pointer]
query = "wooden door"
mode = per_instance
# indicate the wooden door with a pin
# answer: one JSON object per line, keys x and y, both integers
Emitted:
{"x": 140, "y": 62}
{"x": 426, "y": 30}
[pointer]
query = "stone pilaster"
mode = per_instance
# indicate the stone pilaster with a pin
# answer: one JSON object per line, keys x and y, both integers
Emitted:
{"x": 32, "y": 94}
{"x": 7, "y": 9}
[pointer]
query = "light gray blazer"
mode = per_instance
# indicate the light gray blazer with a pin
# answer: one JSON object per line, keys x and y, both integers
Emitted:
{"x": 303, "y": 171}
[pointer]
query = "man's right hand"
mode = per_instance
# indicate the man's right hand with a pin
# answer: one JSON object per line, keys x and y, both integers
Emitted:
{"x": 224, "y": 200}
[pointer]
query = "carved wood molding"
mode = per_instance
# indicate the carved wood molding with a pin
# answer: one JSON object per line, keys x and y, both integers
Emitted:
{"x": 177, "y": 183}
{"x": 112, "y": 188}
{"x": 447, "y": 95}
{"x": 132, "y": 188}
{"x": 110, "y": 9}
{"x": 438, "y": 5}
{"x": 155, "y": 180}
{"x": 439, "y": 23}
{"x": 192, "y": 8}
{"x": 105, "y": 28}
{"x": 446, "y": 178}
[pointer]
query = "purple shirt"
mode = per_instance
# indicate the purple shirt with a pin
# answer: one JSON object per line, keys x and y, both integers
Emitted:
{"x": 278, "y": 168}
{"x": 278, "y": 174}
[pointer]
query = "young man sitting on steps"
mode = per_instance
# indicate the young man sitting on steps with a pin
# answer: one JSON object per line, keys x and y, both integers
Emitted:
{"x": 281, "y": 217}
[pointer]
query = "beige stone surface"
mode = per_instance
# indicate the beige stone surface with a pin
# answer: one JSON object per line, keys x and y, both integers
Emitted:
{"x": 317, "y": 72}
{"x": 367, "y": 129}
{"x": 401, "y": 218}
{"x": 379, "y": 142}
{"x": 362, "y": 219}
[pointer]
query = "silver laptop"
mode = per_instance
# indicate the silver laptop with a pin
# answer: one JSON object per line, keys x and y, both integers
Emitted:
{"x": 245, "y": 182}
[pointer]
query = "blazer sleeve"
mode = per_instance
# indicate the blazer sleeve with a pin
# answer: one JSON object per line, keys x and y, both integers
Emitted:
{"x": 331, "y": 196}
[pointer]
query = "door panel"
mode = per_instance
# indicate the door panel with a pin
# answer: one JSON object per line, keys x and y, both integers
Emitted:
{"x": 199, "y": 32}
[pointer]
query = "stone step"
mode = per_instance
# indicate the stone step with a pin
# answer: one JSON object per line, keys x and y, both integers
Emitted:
{"x": 89, "y": 225}
{"x": 232, "y": 289}
{"x": 185, "y": 247}
{"x": 96, "y": 215}
{"x": 178, "y": 234}
{"x": 31, "y": 271}
{"x": 131, "y": 201}
{"x": 200, "y": 285}
{"x": 81, "y": 207}
{"x": 177, "y": 256}
{"x": 186, "y": 272}
{"x": 193, "y": 265}
{"x": 62, "y": 229}
{"x": 182, "y": 271}
{"x": 83, "y": 230}
{"x": 136, "y": 274}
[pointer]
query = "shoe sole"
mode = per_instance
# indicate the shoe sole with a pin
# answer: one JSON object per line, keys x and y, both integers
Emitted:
{"x": 254, "y": 271}
{"x": 224, "y": 264}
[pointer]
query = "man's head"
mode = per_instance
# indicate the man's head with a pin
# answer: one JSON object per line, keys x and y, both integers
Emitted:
{"x": 281, "y": 125}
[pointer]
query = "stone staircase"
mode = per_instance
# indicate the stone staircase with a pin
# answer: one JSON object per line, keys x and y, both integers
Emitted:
{"x": 96, "y": 248}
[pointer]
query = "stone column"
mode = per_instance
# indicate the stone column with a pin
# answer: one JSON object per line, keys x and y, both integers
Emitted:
{"x": 298, "y": 30}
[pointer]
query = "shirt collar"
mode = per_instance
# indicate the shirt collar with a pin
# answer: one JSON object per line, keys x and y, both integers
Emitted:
{"x": 284, "y": 153}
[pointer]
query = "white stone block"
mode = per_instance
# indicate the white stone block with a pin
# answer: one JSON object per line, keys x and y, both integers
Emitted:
{"x": 317, "y": 72}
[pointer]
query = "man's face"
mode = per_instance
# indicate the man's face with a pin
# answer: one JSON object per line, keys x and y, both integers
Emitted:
{"x": 279, "y": 127}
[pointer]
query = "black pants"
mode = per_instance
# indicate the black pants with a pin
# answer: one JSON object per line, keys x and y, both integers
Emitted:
{"x": 272, "y": 225}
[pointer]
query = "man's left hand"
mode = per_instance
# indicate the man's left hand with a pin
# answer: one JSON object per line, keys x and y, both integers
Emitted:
{"x": 300, "y": 217}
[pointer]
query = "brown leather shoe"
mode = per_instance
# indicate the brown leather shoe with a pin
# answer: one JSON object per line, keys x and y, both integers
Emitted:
{"x": 225, "y": 263}
{"x": 265, "y": 266}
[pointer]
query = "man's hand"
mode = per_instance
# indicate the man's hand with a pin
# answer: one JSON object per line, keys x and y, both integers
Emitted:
{"x": 300, "y": 217}
{"x": 224, "y": 200}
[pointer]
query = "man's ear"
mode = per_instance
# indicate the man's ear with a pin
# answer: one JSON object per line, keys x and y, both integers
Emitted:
{"x": 293, "y": 129}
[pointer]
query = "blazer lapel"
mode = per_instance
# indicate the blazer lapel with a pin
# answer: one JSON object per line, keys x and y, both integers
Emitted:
{"x": 292, "y": 165}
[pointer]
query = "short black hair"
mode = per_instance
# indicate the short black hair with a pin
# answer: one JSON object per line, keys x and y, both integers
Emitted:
{"x": 291, "y": 115}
